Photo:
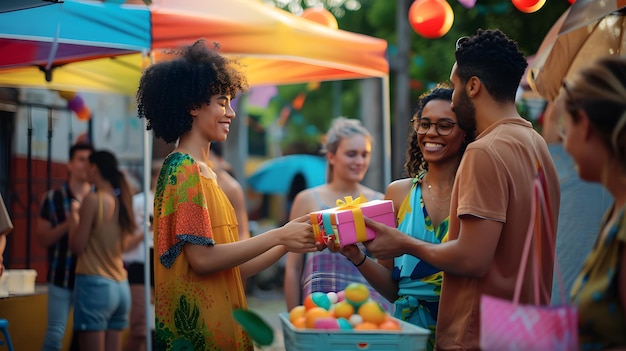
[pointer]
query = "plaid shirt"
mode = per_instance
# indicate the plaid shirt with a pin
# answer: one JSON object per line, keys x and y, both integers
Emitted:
{"x": 61, "y": 261}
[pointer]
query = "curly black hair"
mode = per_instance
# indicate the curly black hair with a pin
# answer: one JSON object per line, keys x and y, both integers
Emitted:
{"x": 169, "y": 90}
{"x": 415, "y": 162}
{"x": 495, "y": 59}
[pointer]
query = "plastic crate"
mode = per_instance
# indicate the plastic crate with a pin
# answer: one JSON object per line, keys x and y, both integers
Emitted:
{"x": 410, "y": 338}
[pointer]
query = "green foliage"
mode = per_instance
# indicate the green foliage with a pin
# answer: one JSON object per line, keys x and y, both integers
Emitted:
{"x": 430, "y": 60}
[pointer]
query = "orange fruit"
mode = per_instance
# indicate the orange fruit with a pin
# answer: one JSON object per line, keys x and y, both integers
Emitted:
{"x": 372, "y": 312}
{"x": 296, "y": 313}
{"x": 343, "y": 309}
{"x": 299, "y": 323}
{"x": 308, "y": 302}
{"x": 314, "y": 313}
{"x": 390, "y": 324}
{"x": 366, "y": 326}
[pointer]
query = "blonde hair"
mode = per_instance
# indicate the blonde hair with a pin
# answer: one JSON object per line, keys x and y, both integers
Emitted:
{"x": 600, "y": 90}
{"x": 341, "y": 128}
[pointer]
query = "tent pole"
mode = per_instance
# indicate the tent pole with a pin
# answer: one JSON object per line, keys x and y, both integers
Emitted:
{"x": 29, "y": 182}
{"x": 147, "y": 166}
{"x": 49, "y": 158}
{"x": 386, "y": 130}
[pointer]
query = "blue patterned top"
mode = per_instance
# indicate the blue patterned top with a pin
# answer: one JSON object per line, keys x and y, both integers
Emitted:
{"x": 419, "y": 283}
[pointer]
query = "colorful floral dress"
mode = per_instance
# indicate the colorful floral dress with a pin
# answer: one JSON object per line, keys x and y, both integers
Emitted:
{"x": 601, "y": 317}
{"x": 419, "y": 283}
{"x": 194, "y": 312}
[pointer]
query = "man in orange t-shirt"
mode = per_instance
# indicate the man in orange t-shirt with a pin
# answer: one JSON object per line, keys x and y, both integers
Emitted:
{"x": 492, "y": 193}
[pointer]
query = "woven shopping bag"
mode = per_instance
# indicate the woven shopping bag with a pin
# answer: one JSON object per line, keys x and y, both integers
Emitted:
{"x": 509, "y": 325}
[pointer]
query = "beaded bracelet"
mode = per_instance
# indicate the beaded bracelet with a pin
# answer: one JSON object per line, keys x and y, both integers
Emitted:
{"x": 360, "y": 263}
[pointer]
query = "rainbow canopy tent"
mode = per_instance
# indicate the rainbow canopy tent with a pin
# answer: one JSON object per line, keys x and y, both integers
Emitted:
{"x": 275, "y": 46}
{"x": 53, "y": 34}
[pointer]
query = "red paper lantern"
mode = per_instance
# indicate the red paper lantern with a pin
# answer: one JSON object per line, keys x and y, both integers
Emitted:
{"x": 431, "y": 18}
{"x": 321, "y": 16}
{"x": 528, "y": 6}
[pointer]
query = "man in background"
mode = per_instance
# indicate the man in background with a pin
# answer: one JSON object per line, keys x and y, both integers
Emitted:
{"x": 53, "y": 233}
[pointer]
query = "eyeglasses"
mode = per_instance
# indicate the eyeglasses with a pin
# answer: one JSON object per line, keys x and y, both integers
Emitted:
{"x": 442, "y": 128}
{"x": 460, "y": 42}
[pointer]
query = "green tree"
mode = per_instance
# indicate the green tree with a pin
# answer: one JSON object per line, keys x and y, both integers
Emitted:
{"x": 431, "y": 59}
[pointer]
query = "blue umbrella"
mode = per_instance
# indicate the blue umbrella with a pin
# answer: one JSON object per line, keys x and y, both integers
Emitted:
{"x": 276, "y": 175}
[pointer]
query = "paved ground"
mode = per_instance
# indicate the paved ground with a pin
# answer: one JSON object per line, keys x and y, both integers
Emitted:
{"x": 268, "y": 304}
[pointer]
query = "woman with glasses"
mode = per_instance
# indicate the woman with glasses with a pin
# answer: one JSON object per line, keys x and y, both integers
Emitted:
{"x": 422, "y": 204}
{"x": 595, "y": 136}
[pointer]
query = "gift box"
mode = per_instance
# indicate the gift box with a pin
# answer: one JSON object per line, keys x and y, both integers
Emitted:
{"x": 344, "y": 224}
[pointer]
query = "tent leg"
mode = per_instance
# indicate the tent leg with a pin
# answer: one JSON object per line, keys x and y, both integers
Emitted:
{"x": 49, "y": 156}
{"x": 29, "y": 182}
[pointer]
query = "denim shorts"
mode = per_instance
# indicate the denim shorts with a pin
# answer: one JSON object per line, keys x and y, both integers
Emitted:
{"x": 101, "y": 303}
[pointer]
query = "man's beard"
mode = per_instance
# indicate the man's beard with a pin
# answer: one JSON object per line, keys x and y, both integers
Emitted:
{"x": 465, "y": 112}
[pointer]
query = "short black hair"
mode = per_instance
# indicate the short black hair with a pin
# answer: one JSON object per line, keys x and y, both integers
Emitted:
{"x": 169, "y": 90}
{"x": 80, "y": 147}
{"x": 495, "y": 59}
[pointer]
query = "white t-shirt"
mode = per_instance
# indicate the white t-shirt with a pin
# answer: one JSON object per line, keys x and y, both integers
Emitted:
{"x": 138, "y": 255}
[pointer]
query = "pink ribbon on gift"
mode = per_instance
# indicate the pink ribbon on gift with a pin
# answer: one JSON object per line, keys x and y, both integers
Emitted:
{"x": 357, "y": 214}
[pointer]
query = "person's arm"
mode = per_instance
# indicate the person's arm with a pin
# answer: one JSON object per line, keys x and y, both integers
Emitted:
{"x": 45, "y": 233}
{"x": 255, "y": 254}
{"x": 81, "y": 222}
{"x": 470, "y": 255}
{"x": 235, "y": 194}
{"x": 378, "y": 273}
{"x": 131, "y": 241}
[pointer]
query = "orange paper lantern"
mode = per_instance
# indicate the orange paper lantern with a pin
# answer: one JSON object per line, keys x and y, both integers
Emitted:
{"x": 431, "y": 18}
{"x": 320, "y": 15}
{"x": 84, "y": 114}
{"x": 528, "y": 6}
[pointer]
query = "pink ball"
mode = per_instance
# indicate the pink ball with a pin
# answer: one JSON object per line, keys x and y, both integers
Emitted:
{"x": 341, "y": 295}
{"x": 327, "y": 323}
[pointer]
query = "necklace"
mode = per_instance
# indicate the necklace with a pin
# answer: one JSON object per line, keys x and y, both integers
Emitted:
{"x": 438, "y": 201}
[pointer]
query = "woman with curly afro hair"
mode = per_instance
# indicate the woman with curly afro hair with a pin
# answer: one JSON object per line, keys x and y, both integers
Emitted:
{"x": 199, "y": 260}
